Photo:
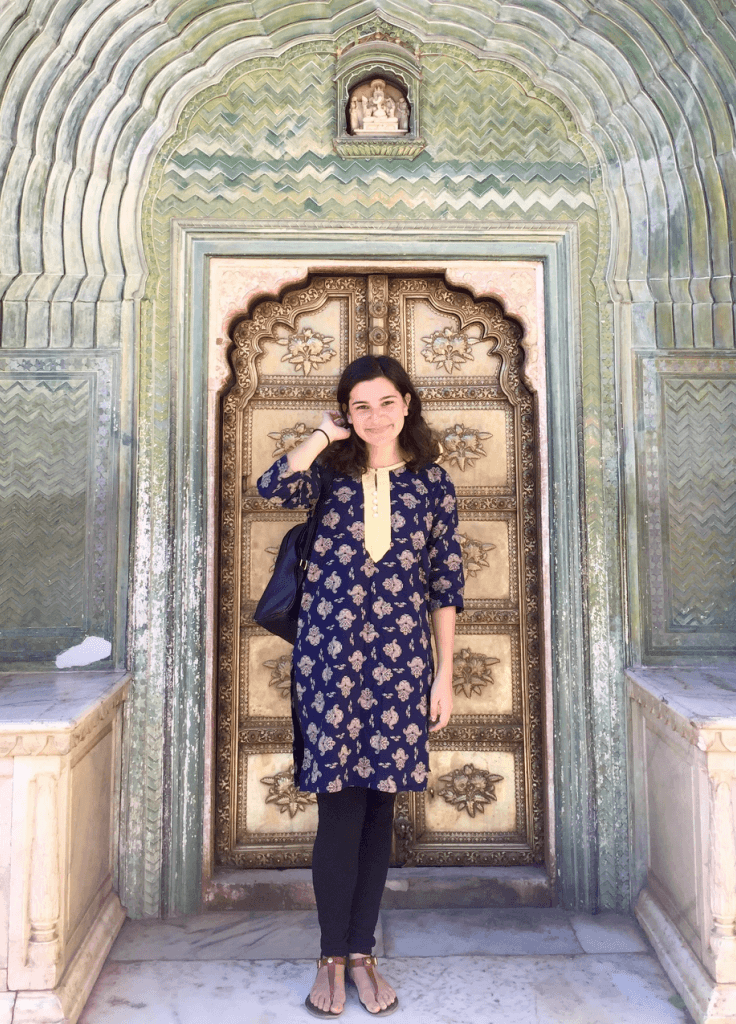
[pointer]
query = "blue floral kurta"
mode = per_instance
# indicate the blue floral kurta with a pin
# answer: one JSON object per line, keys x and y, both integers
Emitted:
{"x": 363, "y": 659}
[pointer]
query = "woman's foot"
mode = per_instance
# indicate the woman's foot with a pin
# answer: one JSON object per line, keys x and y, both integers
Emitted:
{"x": 374, "y": 991}
{"x": 328, "y": 999}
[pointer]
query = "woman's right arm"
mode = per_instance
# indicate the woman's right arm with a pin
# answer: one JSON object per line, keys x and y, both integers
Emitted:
{"x": 293, "y": 481}
{"x": 329, "y": 430}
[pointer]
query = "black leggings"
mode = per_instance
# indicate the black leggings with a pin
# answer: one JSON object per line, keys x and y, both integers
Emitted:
{"x": 349, "y": 867}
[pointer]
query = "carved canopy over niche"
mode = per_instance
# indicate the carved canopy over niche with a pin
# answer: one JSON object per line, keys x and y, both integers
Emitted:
{"x": 377, "y": 109}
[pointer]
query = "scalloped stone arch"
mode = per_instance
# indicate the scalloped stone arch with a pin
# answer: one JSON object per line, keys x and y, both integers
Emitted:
{"x": 89, "y": 91}
{"x": 277, "y": 193}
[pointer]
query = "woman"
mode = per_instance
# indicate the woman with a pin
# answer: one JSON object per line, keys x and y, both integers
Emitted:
{"x": 386, "y": 558}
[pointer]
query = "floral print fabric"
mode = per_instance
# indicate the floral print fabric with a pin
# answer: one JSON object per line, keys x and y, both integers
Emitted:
{"x": 362, "y": 660}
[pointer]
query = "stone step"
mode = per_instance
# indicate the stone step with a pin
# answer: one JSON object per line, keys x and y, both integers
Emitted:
{"x": 436, "y": 888}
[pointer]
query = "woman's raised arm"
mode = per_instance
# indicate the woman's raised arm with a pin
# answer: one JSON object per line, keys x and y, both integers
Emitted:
{"x": 329, "y": 430}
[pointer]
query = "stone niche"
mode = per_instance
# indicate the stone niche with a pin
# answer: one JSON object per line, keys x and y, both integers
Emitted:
{"x": 60, "y": 743}
{"x": 377, "y": 102}
{"x": 683, "y": 739}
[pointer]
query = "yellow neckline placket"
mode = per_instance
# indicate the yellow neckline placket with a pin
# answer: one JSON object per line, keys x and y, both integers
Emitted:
{"x": 377, "y": 509}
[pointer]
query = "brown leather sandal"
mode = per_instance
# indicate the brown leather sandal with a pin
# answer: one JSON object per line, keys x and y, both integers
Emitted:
{"x": 369, "y": 962}
{"x": 328, "y": 962}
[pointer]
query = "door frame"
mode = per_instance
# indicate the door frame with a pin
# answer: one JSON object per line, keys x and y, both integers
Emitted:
{"x": 570, "y": 782}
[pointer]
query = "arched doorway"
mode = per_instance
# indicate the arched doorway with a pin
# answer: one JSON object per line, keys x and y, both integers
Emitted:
{"x": 484, "y": 803}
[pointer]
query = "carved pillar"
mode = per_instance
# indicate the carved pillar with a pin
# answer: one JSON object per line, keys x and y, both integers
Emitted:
{"x": 378, "y": 313}
{"x": 43, "y": 887}
{"x": 723, "y": 854}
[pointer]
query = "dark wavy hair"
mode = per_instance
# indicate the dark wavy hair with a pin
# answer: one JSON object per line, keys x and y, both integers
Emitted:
{"x": 416, "y": 440}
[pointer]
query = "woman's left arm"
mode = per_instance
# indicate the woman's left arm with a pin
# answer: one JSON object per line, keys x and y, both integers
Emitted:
{"x": 440, "y": 700}
{"x": 446, "y": 584}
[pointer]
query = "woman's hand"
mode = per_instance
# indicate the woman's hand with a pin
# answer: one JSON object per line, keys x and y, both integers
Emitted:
{"x": 302, "y": 457}
{"x": 334, "y": 425}
{"x": 440, "y": 700}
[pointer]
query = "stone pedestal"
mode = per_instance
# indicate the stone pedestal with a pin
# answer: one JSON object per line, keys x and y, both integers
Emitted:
{"x": 60, "y": 737}
{"x": 684, "y": 764}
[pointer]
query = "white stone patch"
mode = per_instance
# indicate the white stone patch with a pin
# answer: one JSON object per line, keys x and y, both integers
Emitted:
{"x": 397, "y": 885}
{"x": 91, "y": 649}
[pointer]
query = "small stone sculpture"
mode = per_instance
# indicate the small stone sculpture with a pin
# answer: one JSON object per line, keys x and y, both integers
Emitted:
{"x": 403, "y": 115}
{"x": 378, "y": 108}
{"x": 356, "y": 115}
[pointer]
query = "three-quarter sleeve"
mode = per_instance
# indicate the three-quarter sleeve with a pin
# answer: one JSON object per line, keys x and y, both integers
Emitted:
{"x": 446, "y": 576}
{"x": 289, "y": 487}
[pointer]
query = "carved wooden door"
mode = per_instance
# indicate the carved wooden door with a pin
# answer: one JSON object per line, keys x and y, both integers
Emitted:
{"x": 484, "y": 801}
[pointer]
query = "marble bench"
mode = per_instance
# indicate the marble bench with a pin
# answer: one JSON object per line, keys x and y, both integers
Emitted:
{"x": 683, "y": 758}
{"x": 60, "y": 742}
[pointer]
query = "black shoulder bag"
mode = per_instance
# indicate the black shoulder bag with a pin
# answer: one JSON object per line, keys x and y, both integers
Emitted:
{"x": 278, "y": 609}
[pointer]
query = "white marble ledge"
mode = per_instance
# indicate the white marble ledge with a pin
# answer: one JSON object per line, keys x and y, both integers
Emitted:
{"x": 47, "y": 712}
{"x": 692, "y": 700}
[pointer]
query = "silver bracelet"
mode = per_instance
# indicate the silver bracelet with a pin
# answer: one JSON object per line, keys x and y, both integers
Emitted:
{"x": 329, "y": 441}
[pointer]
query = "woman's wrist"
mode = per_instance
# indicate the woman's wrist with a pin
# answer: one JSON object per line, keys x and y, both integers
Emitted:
{"x": 302, "y": 457}
{"x": 320, "y": 430}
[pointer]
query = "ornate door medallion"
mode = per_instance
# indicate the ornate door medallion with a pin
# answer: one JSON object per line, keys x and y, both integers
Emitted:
{"x": 484, "y": 802}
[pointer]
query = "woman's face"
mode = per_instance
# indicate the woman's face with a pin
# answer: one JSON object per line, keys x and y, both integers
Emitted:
{"x": 377, "y": 411}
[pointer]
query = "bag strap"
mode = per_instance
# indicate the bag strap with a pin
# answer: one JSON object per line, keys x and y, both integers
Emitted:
{"x": 327, "y": 476}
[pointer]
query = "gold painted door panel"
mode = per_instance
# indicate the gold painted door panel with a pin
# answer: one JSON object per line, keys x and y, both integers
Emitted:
{"x": 484, "y": 801}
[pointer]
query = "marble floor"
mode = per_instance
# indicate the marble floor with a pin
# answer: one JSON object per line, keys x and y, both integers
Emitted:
{"x": 473, "y": 966}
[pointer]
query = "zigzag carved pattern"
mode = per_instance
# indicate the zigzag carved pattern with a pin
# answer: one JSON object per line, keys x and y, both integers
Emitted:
{"x": 265, "y": 149}
{"x": 700, "y": 433}
{"x": 44, "y": 446}
{"x": 271, "y": 115}
{"x": 498, "y": 120}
